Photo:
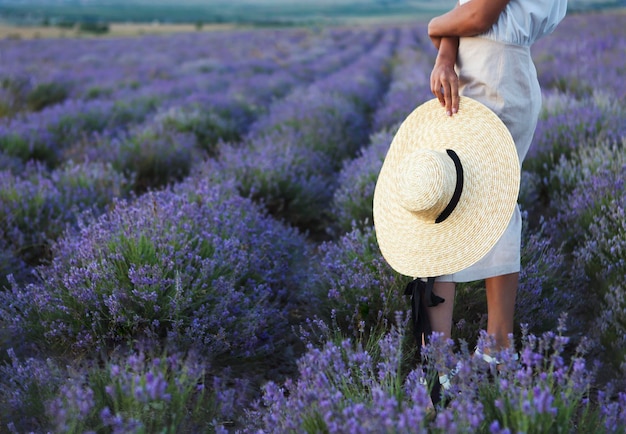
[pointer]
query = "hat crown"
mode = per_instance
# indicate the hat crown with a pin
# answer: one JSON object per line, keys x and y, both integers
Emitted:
{"x": 426, "y": 182}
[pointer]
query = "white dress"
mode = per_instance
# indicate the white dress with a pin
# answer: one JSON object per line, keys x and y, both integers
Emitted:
{"x": 496, "y": 69}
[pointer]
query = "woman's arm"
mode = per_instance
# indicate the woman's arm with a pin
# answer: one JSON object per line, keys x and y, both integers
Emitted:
{"x": 469, "y": 19}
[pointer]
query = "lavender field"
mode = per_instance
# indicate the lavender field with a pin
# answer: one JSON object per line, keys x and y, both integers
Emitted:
{"x": 186, "y": 239}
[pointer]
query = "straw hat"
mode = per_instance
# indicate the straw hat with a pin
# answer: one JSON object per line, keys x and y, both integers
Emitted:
{"x": 422, "y": 230}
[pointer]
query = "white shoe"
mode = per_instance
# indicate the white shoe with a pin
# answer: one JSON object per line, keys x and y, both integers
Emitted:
{"x": 492, "y": 360}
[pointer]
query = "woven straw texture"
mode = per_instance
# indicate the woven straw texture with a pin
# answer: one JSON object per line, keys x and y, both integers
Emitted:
{"x": 418, "y": 247}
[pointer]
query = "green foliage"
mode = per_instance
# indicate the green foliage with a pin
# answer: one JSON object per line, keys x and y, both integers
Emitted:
{"x": 46, "y": 94}
{"x": 208, "y": 125}
{"x": 15, "y": 89}
{"x": 470, "y": 311}
{"x": 16, "y": 146}
{"x": 26, "y": 388}
{"x": 154, "y": 157}
{"x": 602, "y": 255}
{"x": 573, "y": 86}
{"x": 66, "y": 24}
{"x": 138, "y": 393}
{"x": 95, "y": 92}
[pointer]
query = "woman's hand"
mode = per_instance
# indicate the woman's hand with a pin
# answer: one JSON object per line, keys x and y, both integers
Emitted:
{"x": 444, "y": 81}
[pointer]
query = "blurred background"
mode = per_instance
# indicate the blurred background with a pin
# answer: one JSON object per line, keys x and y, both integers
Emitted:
{"x": 105, "y": 16}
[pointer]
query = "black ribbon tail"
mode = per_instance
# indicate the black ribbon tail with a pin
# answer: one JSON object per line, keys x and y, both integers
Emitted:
{"x": 414, "y": 290}
{"x": 422, "y": 296}
{"x": 431, "y": 298}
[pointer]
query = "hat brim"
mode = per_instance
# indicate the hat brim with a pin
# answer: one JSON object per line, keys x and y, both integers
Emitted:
{"x": 419, "y": 248}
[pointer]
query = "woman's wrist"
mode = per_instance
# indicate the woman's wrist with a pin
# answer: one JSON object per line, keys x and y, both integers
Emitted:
{"x": 445, "y": 58}
{"x": 448, "y": 49}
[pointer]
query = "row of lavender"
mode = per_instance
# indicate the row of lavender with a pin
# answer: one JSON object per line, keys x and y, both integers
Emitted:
{"x": 200, "y": 269}
{"x": 219, "y": 288}
{"x": 139, "y": 137}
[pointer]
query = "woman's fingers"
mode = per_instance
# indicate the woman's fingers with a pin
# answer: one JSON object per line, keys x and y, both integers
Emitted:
{"x": 437, "y": 86}
{"x": 453, "y": 96}
{"x": 438, "y": 91}
{"x": 444, "y": 84}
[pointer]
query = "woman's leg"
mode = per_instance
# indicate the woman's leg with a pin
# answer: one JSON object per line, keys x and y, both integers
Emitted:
{"x": 440, "y": 316}
{"x": 501, "y": 293}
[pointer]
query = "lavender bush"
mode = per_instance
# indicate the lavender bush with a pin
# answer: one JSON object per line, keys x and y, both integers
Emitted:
{"x": 37, "y": 206}
{"x": 357, "y": 288}
{"x": 348, "y": 387}
{"x": 283, "y": 178}
{"x": 594, "y": 62}
{"x": 209, "y": 125}
{"x": 140, "y": 392}
{"x": 548, "y": 286}
{"x": 46, "y": 94}
{"x": 289, "y": 163}
{"x": 587, "y": 182}
{"x": 603, "y": 257}
{"x": 11, "y": 265}
{"x": 352, "y": 200}
{"x": 44, "y": 135}
{"x": 198, "y": 266}
{"x": 152, "y": 155}
{"x": 560, "y": 134}
{"x": 10, "y": 163}
{"x": 544, "y": 391}
{"x": 325, "y": 122}
{"x": 13, "y": 91}
{"x": 25, "y": 389}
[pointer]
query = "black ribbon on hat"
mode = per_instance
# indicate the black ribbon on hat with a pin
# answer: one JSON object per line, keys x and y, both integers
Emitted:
{"x": 454, "y": 201}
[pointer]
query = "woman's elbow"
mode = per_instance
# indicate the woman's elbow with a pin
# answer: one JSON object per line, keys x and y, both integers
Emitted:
{"x": 480, "y": 23}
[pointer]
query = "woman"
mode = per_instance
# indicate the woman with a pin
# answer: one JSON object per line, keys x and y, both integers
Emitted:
{"x": 484, "y": 53}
